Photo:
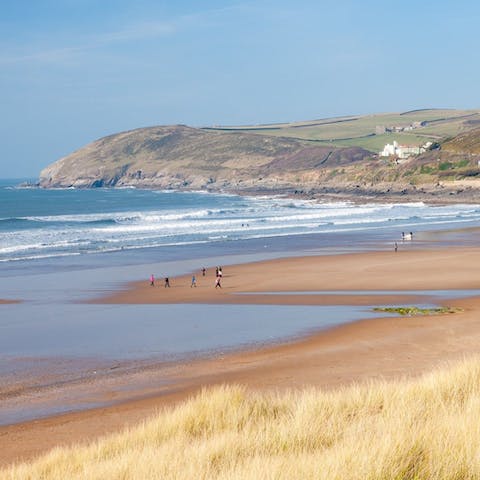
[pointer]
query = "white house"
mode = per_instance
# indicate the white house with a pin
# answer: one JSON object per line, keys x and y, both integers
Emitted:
{"x": 389, "y": 149}
{"x": 402, "y": 151}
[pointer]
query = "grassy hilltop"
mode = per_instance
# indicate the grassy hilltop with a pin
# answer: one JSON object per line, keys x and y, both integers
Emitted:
{"x": 361, "y": 131}
{"x": 330, "y": 157}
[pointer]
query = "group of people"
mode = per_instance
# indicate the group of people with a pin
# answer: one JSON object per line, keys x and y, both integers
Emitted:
{"x": 218, "y": 278}
{"x": 152, "y": 281}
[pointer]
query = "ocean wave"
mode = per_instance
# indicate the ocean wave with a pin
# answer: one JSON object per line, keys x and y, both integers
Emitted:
{"x": 268, "y": 211}
{"x": 12, "y": 221}
{"x": 39, "y": 257}
{"x": 25, "y": 222}
{"x": 144, "y": 219}
{"x": 26, "y": 247}
{"x": 124, "y": 216}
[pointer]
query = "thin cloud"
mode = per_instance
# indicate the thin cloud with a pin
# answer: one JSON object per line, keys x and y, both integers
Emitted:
{"x": 51, "y": 55}
{"x": 139, "y": 31}
{"x": 136, "y": 32}
{"x": 75, "y": 48}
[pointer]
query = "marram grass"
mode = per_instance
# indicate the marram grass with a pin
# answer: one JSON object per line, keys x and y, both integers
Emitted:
{"x": 427, "y": 428}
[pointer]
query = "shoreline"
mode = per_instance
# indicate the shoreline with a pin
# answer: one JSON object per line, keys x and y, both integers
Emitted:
{"x": 450, "y": 193}
{"x": 457, "y": 193}
{"x": 337, "y": 279}
{"x": 348, "y": 353}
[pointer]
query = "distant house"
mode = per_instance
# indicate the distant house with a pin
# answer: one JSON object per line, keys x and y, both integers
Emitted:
{"x": 381, "y": 129}
{"x": 403, "y": 151}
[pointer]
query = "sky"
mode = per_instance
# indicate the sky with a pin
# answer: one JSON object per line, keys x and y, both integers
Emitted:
{"x": 72, "y": 71}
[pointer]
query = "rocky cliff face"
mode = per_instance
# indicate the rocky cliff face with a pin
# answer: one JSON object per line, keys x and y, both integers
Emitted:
{"x": 181, "y": 157}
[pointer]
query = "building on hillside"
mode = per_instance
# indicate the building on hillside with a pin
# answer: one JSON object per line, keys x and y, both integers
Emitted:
{"x": 381, "y": 129}
{"x": 403, "y": 151}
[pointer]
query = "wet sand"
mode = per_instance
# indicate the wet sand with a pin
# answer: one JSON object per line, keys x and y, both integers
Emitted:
{"x": 356, "y": 352}
{"x": 454, "y": 268}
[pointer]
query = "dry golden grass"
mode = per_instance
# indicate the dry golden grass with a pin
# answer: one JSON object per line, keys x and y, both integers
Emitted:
{"x": 426, "y": 428}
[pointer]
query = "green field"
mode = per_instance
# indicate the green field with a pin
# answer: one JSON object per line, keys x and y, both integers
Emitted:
{"x": 361, "y": 130}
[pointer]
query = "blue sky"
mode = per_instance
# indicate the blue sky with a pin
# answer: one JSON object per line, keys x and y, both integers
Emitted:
{"x": 72, "y": 71}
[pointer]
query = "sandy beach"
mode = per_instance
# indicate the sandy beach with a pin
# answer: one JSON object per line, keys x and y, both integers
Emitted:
{"x": 375, "y": 271}
{"x": 355, "y": 352}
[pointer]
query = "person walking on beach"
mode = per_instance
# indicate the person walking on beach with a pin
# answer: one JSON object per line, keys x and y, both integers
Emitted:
{"x": 218, "y": 281}
{"x": 167, "y": 282}
{"x": 194, "y": 282}
{"x": 395, "y": 246}
{"x": 152, "y": 280}
{"x": 204, "y": 271}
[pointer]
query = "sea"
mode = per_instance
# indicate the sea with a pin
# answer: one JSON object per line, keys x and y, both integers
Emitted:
{"x": 37, "y": 224}
{"x": 60, "y": 247}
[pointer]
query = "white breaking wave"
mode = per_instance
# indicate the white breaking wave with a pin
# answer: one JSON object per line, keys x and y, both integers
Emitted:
{"x": 237, "y": 218}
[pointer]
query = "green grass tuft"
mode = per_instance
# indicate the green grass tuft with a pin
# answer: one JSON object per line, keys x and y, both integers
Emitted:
{"x": 416, "y": 311}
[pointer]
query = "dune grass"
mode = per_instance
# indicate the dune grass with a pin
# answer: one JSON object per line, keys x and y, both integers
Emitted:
{"x": 426, "y": 428}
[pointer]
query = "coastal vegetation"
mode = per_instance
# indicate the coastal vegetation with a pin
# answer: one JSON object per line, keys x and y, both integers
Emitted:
{"x": 422, "y": 428}
{"x": 415, "y": 311}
